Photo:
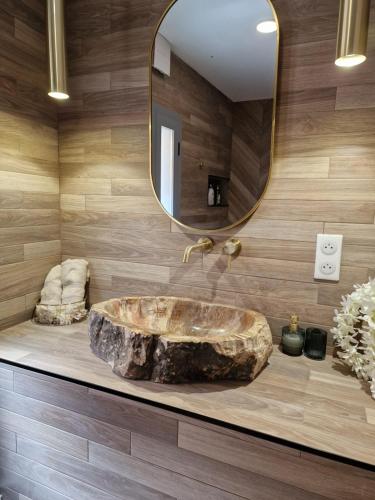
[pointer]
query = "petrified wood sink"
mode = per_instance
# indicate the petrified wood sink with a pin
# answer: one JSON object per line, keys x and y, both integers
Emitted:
{"x": 172, "y": 340}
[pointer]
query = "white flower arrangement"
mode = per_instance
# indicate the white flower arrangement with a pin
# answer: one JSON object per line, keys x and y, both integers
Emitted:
{"x": 355, "y": 332}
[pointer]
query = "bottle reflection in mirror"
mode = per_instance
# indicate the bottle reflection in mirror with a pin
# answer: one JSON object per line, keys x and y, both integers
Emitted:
{"x": 218, "y": 196}
{"x": 218, "y": 191}
{"x": 211, "y": 196}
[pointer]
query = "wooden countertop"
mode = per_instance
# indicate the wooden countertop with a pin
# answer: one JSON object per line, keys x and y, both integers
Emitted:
{"x": 318, "y": 404}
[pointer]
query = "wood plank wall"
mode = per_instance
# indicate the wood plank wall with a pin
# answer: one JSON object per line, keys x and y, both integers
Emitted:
{"x": 250, "y": 158}
{"x": 60, "y": 441}
{"x": 206, "y": 116}
{"x": 323, "y": 178}
{"x": 231, "y": 139}
{"x": 29, "y": 176}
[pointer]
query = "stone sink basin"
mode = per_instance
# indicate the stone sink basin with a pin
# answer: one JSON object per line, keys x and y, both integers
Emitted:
{"x": 173, "y": 340}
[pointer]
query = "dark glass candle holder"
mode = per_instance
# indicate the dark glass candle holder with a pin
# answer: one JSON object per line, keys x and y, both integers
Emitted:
{"x": 315, "y": 343}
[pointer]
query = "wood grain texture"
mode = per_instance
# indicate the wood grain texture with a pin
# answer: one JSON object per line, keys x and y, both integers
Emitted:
{"x": 6, "y": 379}
{"x": 103, "y": 155}
{"x": 92, "y": 474}
{"x": 100, "y": 407}
{"x": 323, "y": 176}
{"x": 8, "y": 439}
{"x": 219, "y": 473}
{"x": 231, "y": 139}
{"x": 206, "y": 136}
{"x": 319, "y": 405}
{"x": 250, "y": 155}
{"x": 12, "y": 483}
{"x": 68, "y": 421}
{"x": 29, "y": 171}
{"x": 162, "y": 479}
{"x": 53, "y": 462}
{"x": 323, "y": 181}
{"x": 344, "y": 483}
{"x": 45, "y": 434}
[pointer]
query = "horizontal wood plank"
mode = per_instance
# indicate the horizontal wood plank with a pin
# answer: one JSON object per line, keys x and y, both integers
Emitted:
{"x": 66, "y": 420}
{"x": 79, "y": 470}
{"x": 43, "y": 433}
{"x": 164, "y": 480}
{"x": 252, "y": 458}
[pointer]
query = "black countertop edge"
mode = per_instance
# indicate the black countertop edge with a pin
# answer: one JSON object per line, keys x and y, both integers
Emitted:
{"x": 198, "y": 416}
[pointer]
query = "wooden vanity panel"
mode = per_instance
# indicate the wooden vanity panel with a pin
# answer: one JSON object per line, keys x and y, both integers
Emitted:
{"x": 96, "y": 475}
{"x": 162, "y": 479}
{"x": 6, "y": 379}
{"x": 66, "y": 420}
{"x": 101, "y": 407}
{"x": 340, "y": 482}
{"x": 51, "y": 436}
{"x": 15, "y": 482}
{"x": 60, "y": 440}
{"x": 242, "y": 482}
{"x": 8, "y": 439}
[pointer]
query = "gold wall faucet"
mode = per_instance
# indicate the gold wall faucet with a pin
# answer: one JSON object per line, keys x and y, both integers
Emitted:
{"x": 203, "y": 244}
{"x": 232, "y": 248}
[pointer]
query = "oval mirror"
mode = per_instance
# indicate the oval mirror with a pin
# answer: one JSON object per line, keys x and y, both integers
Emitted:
{"x": 213, "y": 88}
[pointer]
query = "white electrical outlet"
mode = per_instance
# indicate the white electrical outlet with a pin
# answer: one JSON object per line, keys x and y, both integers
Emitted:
{"x": 329, "y": 246}
{"x": 328, "y": 257}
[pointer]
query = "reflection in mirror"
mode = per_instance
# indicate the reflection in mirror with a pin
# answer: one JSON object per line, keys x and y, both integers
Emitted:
{"x": 213, "y": 100}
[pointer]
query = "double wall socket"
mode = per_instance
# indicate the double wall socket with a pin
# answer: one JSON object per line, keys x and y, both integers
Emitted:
{"x": 328, "y": 257}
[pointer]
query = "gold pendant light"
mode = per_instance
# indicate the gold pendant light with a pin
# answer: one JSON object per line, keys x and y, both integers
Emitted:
{"x": 56, "y": 50}
{"x": 352, "y": 32}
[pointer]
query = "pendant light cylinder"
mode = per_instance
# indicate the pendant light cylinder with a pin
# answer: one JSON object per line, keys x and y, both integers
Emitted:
{"x": 352, "y": 32}
{"x": 57, "y": 50}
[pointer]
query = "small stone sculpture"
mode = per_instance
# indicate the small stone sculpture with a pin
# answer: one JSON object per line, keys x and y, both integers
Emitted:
{"x": 52, "y": 291}
{"x": 63, "y": 295}
{"x": 73, "y": 278}
{"x": 172, "y": 340}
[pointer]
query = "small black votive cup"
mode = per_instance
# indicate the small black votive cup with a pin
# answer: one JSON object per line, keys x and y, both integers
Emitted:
{"x": 315, "y": 343}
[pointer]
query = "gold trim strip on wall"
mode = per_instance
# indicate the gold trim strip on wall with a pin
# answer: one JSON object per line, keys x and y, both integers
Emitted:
{"x": 57, "y": 50}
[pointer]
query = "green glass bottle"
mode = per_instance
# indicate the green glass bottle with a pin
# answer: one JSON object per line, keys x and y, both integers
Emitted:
{"x": 293, "y": 337}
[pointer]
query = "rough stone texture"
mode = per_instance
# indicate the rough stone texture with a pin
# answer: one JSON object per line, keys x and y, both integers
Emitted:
{"x": 60, "y": 314}
{"x": 173, "y": 340}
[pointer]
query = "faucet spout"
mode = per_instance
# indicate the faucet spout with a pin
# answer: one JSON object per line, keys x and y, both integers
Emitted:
{"x": 204, "y": 244}
{"x": 187, "y": 252}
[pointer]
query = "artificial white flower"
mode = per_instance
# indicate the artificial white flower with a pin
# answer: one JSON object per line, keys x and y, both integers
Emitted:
{"x": 355, "y": 331}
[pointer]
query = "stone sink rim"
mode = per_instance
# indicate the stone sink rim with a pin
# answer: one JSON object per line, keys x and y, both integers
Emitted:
{"x": 173, "y": 337}
{"x": 123, "y": 333}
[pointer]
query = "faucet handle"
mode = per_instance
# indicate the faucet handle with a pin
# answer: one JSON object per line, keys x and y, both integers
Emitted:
{"x": 232, "y": 248}
{"x": 206, "y": 243}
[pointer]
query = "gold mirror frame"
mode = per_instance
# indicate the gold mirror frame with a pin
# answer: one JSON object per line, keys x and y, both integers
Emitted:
{"x": 256, "y": 206}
